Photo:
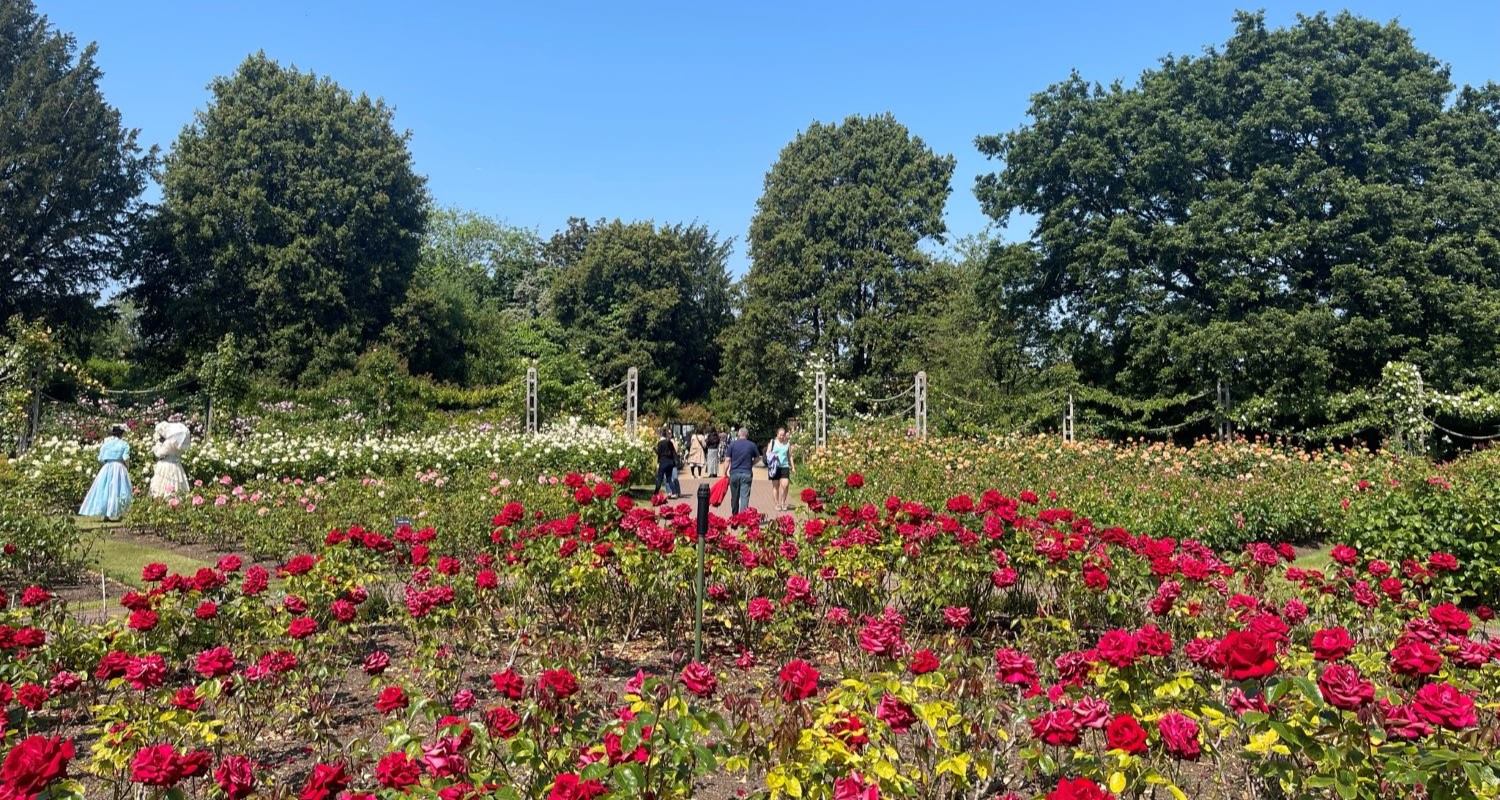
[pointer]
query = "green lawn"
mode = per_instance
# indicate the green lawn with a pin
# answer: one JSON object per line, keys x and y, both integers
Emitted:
{"x": 122, "y": 561}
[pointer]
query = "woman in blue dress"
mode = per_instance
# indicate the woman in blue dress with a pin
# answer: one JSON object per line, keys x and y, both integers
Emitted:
{"x": 111, "y": 493}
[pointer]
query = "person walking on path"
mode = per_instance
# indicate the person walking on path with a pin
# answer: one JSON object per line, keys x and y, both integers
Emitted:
{"x": 666, "y": 465}
{"x": 697, "y": 454}
{"x": 739, "y": 460}
{"x": 711, "y": 452}
{"x": 111, "y": 491}
{"x": 779, "y": 467}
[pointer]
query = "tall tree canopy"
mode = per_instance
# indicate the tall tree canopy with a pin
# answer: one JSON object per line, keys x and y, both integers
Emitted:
{"x": 836, "y": 260}
{"x": 475, "y": 282}
{"x": 1289, "y": 212}
{"x": 290, "y": 215}
{"x": 70, "y": 173}
{"x": 634, "y": 294}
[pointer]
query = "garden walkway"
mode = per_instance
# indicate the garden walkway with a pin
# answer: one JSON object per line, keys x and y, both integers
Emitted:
{"x": 760, "y": 494}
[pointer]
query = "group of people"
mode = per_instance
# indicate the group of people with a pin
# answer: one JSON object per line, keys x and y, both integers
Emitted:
{"x": 737, "y": 458}
{"x": 111, "y": 492}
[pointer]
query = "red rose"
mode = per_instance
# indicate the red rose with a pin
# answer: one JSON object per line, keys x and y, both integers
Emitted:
{"x": 1344, "y": 554}
{"x": 1118, "y": 648}
{"x": 153, "y": 572}
{"x": 509, "y": 684}
{"x": 34, "y": 763}
{"x": 958, "y": 618}
{"x": 206, "y": 610}
{"x": 392, "y": 698}
{"x": 214, "y": 663}
{"x": 155, "y": 765}
{"x": 559, "y": 683}
{"x": 194, "y": 763}
{"x": 396, "y": 771}
{"x": 1247, "y": 655}
{"x": 236, "y": 776}
{"x": 620, "y": 476}
{"x": 1332, "y": 644}
{"x": 854, "y": 480}
{"x": 1179, "y": 735}
{"x": 699, "y": 679}
{"x": 376, "y": 662}
{"x": 1078, "y": 789}
{"x": 1442, "y": 704}
{"x": 302, "y": 627}
{"x": 1342, "y": 687}
{"x": 895, "y": 713}
{"x": 502, "y": 722}
{"x": 798, "y": 680}
{"x": 1404, "y": 722}
{"x": 1126, "y": 734}
{"x": 1451, "y": 618}
{"x": 1414, "y": 657}
{"x": 760, "y": 609}
{"x": 33, "y": 596}
{"x": 325, "y": 782}
{"x": 1058, "y": 727}
{"x": 569, "y": 786}
{"x": 922, "y": 662}
{"x": 143, "y": 619}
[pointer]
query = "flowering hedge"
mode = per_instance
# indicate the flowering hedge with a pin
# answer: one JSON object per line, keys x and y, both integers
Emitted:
{"x": 61, "y": 469}
{"x": 986, "y": 645}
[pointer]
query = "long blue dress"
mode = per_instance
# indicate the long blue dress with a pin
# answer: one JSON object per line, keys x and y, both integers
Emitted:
{"x": 111, "y": 493}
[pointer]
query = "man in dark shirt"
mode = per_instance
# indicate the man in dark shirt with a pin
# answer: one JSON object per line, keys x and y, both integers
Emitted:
{"x": 739, "y": 459}
{"x": 666, "y": 464}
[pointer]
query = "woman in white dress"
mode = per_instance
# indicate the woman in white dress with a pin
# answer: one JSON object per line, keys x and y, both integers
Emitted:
{"x": 169, "y": 478}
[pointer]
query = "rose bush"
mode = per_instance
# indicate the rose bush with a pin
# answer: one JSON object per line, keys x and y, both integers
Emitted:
{"x": 980, "y": 645}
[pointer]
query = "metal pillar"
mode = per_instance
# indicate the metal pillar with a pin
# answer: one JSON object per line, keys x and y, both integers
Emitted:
{"x": 1226, "y": 429}
{"x": 698, "y": 584}
{"x": 820, "y": 406}
{"x": 921, "y": 405}
{"x": 531, "y": 399}
{"x": 632, "y": 400}
{"x": 1068, "y": 420}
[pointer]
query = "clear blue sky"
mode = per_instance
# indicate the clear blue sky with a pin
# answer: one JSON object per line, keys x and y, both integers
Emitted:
{"x": 539, "y": 111}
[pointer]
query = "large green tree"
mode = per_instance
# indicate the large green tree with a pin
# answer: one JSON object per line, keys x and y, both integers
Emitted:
{"x": 836, "y": 262}
{"x": 476, "y": 279}
{"x": 1288, "y": 211}
{"x": 290, "y": 215}
{"x": 70, "y": 174}
{"x": 635, "y": 294}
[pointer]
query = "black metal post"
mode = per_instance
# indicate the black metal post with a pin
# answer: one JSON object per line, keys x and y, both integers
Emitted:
{"x": 702, "y": 537}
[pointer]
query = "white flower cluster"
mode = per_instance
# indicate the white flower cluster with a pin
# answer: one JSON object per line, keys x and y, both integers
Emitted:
{"x": 274, "y": 454}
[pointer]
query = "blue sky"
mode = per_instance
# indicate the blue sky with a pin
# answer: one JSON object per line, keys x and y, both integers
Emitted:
{"x": 536, "y": 112}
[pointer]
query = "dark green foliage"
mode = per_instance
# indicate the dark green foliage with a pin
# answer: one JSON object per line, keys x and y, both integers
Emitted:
{"x": 70, "y": 175}
{"x": 836, "y": 261}
{"x": 291, "y": 216}
{"x": 635, "y": 294}
{"x": 1288, "y": 212}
